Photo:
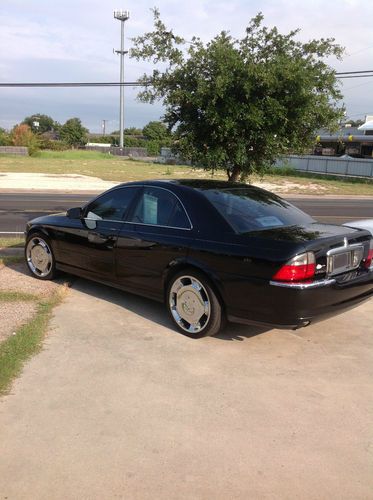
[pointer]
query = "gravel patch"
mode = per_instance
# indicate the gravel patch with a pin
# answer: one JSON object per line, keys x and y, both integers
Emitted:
{"x": 59, "y": 182}
{"x": 13, "y": 315}
{"x": 16, "y": 278}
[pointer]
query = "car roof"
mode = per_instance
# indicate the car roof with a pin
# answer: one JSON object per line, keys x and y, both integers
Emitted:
{"x": 194, "y": 184}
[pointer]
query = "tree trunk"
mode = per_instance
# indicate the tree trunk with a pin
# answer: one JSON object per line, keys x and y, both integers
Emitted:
{"x": 234, "y": 174}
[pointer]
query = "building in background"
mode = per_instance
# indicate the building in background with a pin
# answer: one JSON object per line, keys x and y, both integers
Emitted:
{"x": 351, "y": 141}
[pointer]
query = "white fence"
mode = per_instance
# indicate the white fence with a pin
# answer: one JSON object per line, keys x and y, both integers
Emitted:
{"x": 355, "y": 167}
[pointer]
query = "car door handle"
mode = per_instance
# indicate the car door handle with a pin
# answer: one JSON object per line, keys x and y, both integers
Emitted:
{"x": 94, "y": 237}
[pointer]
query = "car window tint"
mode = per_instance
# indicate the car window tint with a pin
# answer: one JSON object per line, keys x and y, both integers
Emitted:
{"x": 251, "y": 209}
{"x": 112, "y": 205}
{"x": 160, "y": 207}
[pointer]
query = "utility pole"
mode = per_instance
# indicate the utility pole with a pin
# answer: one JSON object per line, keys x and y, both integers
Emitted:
{"x": 122, "y": 16}
{"x": 104, "y": 127}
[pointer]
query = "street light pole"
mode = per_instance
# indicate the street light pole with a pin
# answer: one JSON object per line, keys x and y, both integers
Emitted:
{"x": 104, "y": 127}
{"x": 122, "y": 16}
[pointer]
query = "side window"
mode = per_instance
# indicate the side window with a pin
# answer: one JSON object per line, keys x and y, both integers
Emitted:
{"x": 112, "y": 205}
{"x": 161, "y": 208}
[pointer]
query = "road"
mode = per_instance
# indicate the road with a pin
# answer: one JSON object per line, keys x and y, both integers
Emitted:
{"x": 17, "y": 208}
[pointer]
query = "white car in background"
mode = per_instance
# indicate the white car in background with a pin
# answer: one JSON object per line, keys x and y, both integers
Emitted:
{"x": 361, "y": 224}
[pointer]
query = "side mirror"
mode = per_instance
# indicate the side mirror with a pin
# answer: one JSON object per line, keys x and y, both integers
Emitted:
{"x": 75, "y": 213}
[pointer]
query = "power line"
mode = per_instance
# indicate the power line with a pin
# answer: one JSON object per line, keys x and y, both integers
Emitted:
{"x": 354, "y": 72}
{"x": 341, "y": 75}
{"x": 75, "y": 84}
{"x": 354, "y": 76}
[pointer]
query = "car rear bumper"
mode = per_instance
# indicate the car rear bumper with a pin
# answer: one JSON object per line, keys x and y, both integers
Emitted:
{"x": 290, "y": 306}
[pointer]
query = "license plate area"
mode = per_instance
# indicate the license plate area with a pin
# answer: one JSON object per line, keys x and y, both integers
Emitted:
{"x": 343, "y": 259}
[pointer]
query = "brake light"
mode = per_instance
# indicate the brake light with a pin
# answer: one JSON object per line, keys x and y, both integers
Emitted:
{"x": 368, "y": 262}
{"x": 300, "y": 268}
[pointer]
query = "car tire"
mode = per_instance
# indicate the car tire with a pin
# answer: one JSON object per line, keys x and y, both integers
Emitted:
{"x": 193, "y": 305}
{"x": 39, "y": 257}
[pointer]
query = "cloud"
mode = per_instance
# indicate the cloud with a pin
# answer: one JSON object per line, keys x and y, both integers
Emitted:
{"x": 71, "y": 40}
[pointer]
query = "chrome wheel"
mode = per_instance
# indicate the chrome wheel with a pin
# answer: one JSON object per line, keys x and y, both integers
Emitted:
{"x": 189, "y": 304}
{"x": 39, "y": 257}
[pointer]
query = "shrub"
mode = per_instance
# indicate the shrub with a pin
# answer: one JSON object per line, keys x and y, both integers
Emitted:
{"x": 153, "y": 148}
{"x": 22, "y": 135}
{"x": 5, "y": 139}
{"x": 53, "y": 145}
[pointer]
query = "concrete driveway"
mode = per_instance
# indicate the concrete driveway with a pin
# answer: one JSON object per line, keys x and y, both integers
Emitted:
{"x": 118, "y": 405}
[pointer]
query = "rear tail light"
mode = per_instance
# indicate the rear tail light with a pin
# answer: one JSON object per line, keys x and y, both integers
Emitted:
{"x": 300, "y": 268}
{"x": 368, "y": 262}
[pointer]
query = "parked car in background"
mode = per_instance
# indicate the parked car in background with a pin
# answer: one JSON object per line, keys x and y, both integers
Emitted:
{"x": 361, "y": 224}
{"x": 210, "y": 250}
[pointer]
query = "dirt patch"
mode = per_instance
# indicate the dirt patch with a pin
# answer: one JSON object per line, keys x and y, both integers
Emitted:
{"x": 287, "y": 187}
{"x": 16, "y": 278}
{"x": 13, "y": 315}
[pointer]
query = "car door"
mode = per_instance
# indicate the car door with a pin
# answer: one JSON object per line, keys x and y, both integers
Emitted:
{"x": 90, "y": 245}
{"x": 157, "y": 232}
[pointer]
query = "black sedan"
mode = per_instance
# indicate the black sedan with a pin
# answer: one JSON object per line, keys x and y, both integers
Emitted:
{"x": 211, "y": 251}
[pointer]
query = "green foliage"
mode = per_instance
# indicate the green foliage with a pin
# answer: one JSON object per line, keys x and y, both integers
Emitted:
{"x": 237, "y": 104}
{"x": 5, "y": 139}
{"x": 156, "y": 131}
{"x": 52, "y": 145}
{"x": 130, "y": 141}
{"x": 134, "y": 142}
{"x": 101, "y": 139}
{"x": 46, "y": 123}
{"x": 132, "y": 131}
{"x": 153, "y": 148}
{"x": 73, "y": 132}
{"x": 355, "y": 123}
{"x": 128, "y": 131}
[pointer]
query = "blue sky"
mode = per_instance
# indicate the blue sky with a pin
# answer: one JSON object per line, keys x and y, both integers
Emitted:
{"x": 73, "y": 41}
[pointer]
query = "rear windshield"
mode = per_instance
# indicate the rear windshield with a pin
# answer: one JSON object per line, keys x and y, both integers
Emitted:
{"x": 252, "y": 209}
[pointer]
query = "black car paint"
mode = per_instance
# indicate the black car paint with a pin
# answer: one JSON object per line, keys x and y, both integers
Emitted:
{"x": 140, "y": 258}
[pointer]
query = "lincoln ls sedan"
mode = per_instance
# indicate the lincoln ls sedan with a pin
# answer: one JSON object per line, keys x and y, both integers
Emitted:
{"x": 211, "y": 250}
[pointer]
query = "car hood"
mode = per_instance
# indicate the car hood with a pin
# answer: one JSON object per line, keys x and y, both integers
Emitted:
{"x": 47, "y": 219}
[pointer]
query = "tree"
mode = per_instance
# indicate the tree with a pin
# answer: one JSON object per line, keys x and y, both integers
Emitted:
{"x": 355, "y": 123}
{"x": 132, "y": 131}
{"x": 5, "y": 139}
{"x": 45, "y": 123}
{"x": 73, "y": 132}
{"x": 237, "y": 104}
{"x": 155, "y": 131}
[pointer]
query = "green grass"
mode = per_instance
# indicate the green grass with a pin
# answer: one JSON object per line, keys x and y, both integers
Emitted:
{"x": 117, "y": 169}
{"x": 27, "y": 341}
{"x": 16, "y": 296}
{"x": 12, "y": 242}
{"x": 75, "y": 154}
{"x": 102, "y": 165}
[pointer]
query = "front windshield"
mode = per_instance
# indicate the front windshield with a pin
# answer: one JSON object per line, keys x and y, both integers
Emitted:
{"x": 251, "y": 209}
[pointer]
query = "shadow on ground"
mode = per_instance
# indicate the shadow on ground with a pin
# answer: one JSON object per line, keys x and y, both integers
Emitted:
{"x": 152, "y": 310}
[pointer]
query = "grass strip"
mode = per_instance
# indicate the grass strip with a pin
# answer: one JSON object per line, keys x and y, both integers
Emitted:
{"x": 12, "y": 242}
{"x": 27, "y": 341}
{"x": 16, "y": 296}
